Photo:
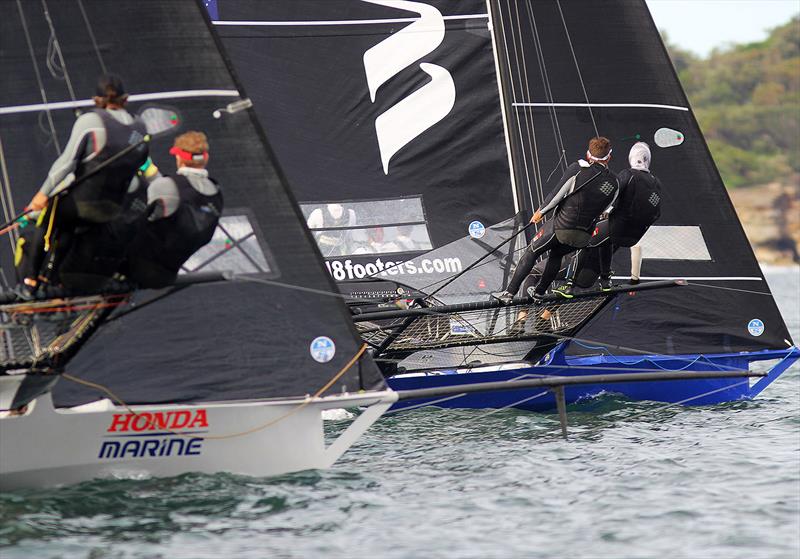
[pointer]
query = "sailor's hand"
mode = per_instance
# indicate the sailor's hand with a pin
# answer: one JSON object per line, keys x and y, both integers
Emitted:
{"x": 537, "y": 217}
{"x": 38, "y": 202}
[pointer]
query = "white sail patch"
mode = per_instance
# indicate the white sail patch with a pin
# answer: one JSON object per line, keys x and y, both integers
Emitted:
{"x": 667, "y": 137}
{"x": 674, "y": 242}
{"x": 410, "y": 117}
{"x": 416, "y": 113}
{"x": 392, "y": 55}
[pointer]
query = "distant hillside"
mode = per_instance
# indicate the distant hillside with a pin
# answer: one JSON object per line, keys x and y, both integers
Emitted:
{"x": 747, "y": 100}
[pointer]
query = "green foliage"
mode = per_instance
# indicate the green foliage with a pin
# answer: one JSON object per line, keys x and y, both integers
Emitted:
{"x": 747, "y": 101}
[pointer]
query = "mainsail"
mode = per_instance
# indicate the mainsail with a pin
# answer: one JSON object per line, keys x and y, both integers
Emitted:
{"x": 274, "y": 328}
{"x": 578, "y": 68}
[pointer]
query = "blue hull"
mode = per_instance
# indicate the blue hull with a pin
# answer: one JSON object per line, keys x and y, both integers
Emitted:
{"x": 689, "y": 392}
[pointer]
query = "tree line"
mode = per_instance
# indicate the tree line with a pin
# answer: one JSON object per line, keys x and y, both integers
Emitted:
{"x": 747, "y": 100}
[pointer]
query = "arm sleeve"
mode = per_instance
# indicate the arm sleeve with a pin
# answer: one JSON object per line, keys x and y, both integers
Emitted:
{"x": 565, "y": 184}
{"x": 87, "y": 127}
{"x": 163, "y": 198}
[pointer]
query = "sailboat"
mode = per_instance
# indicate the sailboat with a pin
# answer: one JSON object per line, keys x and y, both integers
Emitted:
{"x": 429, "y": 131}
{"x": 228, "y": 370}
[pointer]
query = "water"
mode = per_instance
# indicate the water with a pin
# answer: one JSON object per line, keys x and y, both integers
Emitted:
{"x": 634, "y": 480}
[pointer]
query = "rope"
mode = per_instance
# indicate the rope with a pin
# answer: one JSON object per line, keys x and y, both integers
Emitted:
{"x": 577, "y": 67}
{"x": 57, "y": 50}
{"x": 270, "y": 423}
{"x": 91, "y": 36}
{"x": 5, "y": 196}
{"x": 730, "y": 289}
{"x": 38, "y": 76}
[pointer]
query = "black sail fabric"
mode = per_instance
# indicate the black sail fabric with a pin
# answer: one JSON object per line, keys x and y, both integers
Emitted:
{"x": 581, "y": 68}
{"x": 239, "y": 339}
{"x": 379, "y": 105}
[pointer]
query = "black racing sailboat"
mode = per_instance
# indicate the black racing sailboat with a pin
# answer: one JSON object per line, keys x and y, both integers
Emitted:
{"x": 230, "y": 369}
{"x": 435, "y": 127}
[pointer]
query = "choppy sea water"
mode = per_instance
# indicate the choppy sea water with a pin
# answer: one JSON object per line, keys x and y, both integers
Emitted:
{"x": 635, "y": 480}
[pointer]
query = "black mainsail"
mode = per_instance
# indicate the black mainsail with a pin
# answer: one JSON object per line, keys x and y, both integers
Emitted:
{"x": 248, "y": 337}
{"x": 580, "y": 68}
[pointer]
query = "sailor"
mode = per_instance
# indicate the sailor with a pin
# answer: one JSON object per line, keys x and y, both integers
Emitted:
{"x": 335, "y": 222}
{"x": 636, "y": 208}
{"x": 183, "y": 211}
{"x": 97, "y": 136}
{"x": 585, "y": 190}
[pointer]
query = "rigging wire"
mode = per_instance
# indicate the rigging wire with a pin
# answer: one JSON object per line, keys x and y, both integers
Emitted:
{"x": 92, "y": 37}
{"x": 6, "y": 198}
{"x": 32, "y": 53}
{"x": 731, "y": 289}
{"x": 548, "y": 90}
{"x": 526, "y": 90}
{"x": 56, "y": 52}
{"x": 577, "y": 67}
{"x": 513, "y": 100}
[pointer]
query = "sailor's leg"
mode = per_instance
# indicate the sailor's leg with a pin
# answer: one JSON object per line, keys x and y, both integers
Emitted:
{"x": 557, "y": 253}
{"x": 540, "y": 244}
{"x": 636, "y": 263}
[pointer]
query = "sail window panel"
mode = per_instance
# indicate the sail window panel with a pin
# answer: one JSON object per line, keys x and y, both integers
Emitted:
{"x": 364, "y": 213}
{"x": 373, "y": 240}
{"x": 235, "y": 247}
{"x": 674, "y": 242}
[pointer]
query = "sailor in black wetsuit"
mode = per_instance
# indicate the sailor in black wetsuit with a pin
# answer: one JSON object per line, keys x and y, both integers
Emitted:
{"x": 583, "y": 193}
{"x": 637, "y": 207}
{"x": 96, "y": 136}
{"x": 183, "y": 211}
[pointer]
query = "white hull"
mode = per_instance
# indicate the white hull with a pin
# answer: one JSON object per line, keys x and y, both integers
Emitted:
{"x": 47, "y": 446}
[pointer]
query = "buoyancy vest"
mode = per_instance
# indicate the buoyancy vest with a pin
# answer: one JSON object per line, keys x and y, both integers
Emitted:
{"x": 99, "y": 198}
{"x": 595, "y": 187}
{"x": 637, "y": 207}
{"x": 162, "y": 246}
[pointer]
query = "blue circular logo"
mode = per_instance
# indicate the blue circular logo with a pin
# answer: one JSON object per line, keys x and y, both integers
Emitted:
{"x": 322, "y": 349}
{"x": 755, "y": 327}
{"x": 476, "y": 230}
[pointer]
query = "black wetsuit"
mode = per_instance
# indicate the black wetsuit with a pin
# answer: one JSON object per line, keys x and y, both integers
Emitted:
{"x": 637, "y": 207}
{"x": 86, "y": 210}
{"x": 581, "y": 195}
{"x": 163, "y": 244}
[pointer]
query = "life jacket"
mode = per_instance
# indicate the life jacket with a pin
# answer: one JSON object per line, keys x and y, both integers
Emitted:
{"x": 331, "y": 237}
{"x": 99, "y": 198}
{"x": 162, "y": 246}
{"x": 637, "y": 207}
{"x": 595, "y": 187}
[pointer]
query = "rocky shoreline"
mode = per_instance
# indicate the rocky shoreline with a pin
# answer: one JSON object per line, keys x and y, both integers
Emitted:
{"x": 770, "y": 214}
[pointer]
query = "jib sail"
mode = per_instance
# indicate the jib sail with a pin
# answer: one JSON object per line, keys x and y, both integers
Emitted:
{"x": 253, "y": 336}
{"x": 388, "y": 118}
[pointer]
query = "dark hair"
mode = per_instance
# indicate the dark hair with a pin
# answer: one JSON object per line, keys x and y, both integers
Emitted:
{"x": 110, "y": 88}
{"x": 599, "y": 147}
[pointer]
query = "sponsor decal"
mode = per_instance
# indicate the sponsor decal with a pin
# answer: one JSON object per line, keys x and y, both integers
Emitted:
{"x": 411, "y": 116}
{"x": 155, "y": 434}
{"x": 476, "y": 230}
{"x": 755, "y": 327}
{"x": 322, "y": 349}
{"x": 347, "y": 269}
{"x": 459, "y": 328}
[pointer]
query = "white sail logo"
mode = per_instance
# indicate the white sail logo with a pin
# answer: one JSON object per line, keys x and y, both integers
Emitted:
{"x": 414, "y": 114}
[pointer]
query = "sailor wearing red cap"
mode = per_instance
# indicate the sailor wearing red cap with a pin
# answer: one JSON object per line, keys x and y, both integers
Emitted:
{"x": 183, "y": 211}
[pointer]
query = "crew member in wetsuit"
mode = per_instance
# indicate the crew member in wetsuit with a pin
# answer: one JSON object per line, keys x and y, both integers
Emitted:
{"x": 333, "y": 242}
{"x": 96, "y": 136}
{"x": 636, "y": 208}
{"x": 586, "y": 189}
{"x": 183, "y": 211}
